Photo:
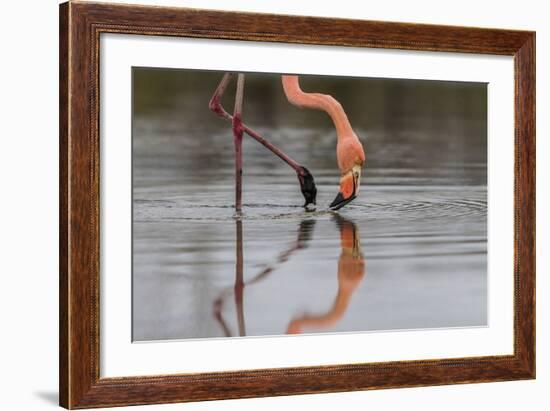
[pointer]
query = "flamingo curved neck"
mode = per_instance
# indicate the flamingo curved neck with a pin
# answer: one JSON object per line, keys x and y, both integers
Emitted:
{"x": 324, "y": 102}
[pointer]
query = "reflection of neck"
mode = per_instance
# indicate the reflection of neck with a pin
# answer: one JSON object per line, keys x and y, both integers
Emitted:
{"x": 351, "y": 269}
{"x": 350, "y": 273}
{"x": 318, "y": 101}
{"x": 336, "y": 312}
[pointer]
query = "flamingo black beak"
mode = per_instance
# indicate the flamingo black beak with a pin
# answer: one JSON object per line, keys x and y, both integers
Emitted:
{"x": 307, "y": 186}
{"x": 349, "y": 188}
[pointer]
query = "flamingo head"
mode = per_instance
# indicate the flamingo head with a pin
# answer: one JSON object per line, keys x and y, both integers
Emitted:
{"x": 349, "y": 187}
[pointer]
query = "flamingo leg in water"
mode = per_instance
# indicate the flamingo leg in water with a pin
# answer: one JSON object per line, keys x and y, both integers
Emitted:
{"x": 307, "y": 184}
{"x": 238, "y": 141}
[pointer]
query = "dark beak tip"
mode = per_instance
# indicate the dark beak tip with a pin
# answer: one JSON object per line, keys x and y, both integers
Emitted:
{"x": 335, "y": 205}
{"x": 340, "y": 201}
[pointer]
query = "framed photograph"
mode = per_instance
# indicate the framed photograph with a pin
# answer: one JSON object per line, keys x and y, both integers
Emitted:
{"x": 259, "y": 205}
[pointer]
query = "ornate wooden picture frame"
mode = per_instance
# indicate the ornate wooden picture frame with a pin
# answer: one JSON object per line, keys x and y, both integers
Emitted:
{"x": 81, "y": 24}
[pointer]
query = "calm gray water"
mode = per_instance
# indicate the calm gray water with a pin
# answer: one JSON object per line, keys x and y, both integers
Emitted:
{"x": 409, "y": 252}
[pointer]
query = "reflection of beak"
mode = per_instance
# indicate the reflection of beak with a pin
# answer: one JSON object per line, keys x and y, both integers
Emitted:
{"x": 349, "y": 237}
{"x": 349, "y": 187}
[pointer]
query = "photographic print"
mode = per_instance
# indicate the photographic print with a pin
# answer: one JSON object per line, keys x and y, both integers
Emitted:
{"x": 268, "y": 204}
{"x": 346, "y": 211}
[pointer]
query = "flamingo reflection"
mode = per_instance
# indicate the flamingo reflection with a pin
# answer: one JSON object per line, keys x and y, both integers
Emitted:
{"x": 305, "y": 232}
{"x": 351, "y": 270}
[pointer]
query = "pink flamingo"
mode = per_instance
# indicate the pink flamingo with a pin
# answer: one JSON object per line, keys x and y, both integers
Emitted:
{"x": 349, "y": 151}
